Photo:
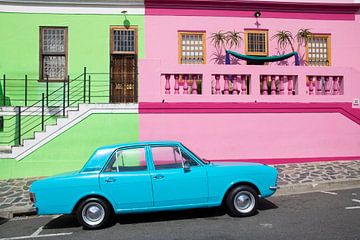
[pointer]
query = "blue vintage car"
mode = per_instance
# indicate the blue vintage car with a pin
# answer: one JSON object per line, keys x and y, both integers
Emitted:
{"x": 152, "y": 176}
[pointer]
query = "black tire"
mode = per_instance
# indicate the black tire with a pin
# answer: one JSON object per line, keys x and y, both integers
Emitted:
{"x": 247, "y": 201}
{"x": 94, "y": 213}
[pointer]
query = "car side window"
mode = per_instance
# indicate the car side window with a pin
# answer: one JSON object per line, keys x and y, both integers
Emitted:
{"x": 125, "y": 160}
{"x": 168, "y": 157}
{"x": 188, "y": 159}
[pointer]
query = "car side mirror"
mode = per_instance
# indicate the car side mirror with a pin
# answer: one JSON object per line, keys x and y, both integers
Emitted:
{"x": 186, "y": 166}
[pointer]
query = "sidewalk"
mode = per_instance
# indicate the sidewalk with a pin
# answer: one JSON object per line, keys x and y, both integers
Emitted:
{"x": 298, "y": 178}
{"x": 293, "y": 178}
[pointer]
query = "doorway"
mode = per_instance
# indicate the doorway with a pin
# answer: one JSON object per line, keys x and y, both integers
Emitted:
{"x": 123, "y": 65}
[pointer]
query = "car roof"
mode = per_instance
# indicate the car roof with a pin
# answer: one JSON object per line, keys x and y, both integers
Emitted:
{"x": 102, "y": 154}
{"x": 133, "y": 144}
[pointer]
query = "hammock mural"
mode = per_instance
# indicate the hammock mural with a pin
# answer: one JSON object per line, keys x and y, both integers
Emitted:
{"x": 261, "y": 59}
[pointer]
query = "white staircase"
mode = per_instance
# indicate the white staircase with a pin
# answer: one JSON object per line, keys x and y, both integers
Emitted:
{"x": 63, "y": 124}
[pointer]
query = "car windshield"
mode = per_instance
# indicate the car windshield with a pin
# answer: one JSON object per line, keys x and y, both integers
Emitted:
{"x": 204, "y": 161}
{"x": 97, "y": 160}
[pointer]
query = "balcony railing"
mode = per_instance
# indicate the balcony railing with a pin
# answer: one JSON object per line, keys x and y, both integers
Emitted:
{"x": 325, "y": 85}
{"x": 241, "y": 83}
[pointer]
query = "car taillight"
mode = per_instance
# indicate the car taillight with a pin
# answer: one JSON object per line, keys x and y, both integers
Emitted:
{"x": 32, "y": 197}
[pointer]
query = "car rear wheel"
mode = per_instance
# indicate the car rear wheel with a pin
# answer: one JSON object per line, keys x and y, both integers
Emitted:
{"x": 242, "y": 201}
{"x": 94, "y": 213}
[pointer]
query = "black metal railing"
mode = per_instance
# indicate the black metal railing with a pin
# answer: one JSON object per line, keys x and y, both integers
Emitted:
{"x": 42, "y": 105}
{"x": 32, "y": 118}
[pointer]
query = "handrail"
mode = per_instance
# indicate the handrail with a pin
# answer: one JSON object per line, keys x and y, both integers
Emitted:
{"x": 86, "y": 87}
{"x": 29, "y": 123}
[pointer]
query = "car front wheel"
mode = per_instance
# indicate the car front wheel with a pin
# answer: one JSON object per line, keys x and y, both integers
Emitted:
{"x": 242, "y": 201}
{"x": 93, "y": 213}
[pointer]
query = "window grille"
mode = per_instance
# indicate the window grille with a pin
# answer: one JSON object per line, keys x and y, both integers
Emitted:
{"x": 123, "y": 41}
{"x": 191, "y": 47}
{"x": 256, "y": 42}
{"x": 53, "y": 51}
{"x": 318, "y": 50}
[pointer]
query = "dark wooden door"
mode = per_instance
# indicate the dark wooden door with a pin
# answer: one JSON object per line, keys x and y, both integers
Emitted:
{"x": 123, "y": 78}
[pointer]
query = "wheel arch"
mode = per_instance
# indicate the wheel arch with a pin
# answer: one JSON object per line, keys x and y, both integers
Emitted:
{"x": 238, "y": 184}
{"x": 93, "y": 195}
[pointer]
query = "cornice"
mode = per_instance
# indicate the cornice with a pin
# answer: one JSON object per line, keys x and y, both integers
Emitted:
{"x": 74, "y": 3}
{"x": 245, "y": 5}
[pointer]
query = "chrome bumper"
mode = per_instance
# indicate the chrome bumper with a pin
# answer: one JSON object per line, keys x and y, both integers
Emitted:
{"x": 273, "y": 188}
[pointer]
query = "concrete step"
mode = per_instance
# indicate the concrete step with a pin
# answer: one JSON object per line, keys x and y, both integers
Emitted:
{"x": 5, "y": 149}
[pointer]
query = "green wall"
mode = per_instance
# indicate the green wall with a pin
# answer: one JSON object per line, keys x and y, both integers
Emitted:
{"x": 88, "y": 46}
{"x": 71, "y": 149}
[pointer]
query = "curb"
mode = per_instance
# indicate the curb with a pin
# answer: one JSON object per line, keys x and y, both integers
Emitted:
{"x": 16, "y": 211}
{"x": 317, "y": 186}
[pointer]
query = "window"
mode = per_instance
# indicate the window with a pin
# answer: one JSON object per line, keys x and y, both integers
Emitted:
{"x": 318, "y": 50}
{"x": 53, "y": 53}
{"x": 128, "y": 160}
{"x": 123, "y": 40}
{"x": 256, "y": 42}
{"x": 191, "y": 47}
{"x": 170, "y": 157}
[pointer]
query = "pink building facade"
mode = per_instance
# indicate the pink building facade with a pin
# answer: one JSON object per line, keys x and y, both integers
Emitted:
{"x": 273, "y": 112}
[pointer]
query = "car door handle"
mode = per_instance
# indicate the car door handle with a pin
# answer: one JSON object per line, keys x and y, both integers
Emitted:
{"x": 110, "y": 179}
{"x": 159, "y": 176}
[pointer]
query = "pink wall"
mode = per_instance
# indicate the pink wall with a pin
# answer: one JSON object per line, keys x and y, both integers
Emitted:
{"x": 162, "y": 32}
{"x": 284, "y": 134}
{"x": 257, "y": 135}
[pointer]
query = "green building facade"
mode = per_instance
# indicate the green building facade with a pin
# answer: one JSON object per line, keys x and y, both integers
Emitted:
{"x": 96, "y": 70}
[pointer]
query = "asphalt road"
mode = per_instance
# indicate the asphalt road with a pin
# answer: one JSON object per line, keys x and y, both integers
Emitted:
{"x": 320, "y": 215}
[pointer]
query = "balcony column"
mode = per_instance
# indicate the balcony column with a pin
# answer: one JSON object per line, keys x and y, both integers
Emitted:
{"x": 273, "y": 86}
{"x": 311, "y": 85}
{"x": 176, "y": 86}
{"x": 194, "y": 84}
{"x": 167, "y": 83}
{"x": 226, "y": 84}
{"x": 290, "y": 85}
{"x": 186, "y": 86}
{"x": 318, "y": 86}
{"x": 327, "y": 85}
{"x": 243, "y": 85}
{"x": 234, "y": 83}
{"x": 335, "y": 85}
{"x": 217, "y": 84}
{"x": 264, "y": 85}
{"x": 281, "y": 87}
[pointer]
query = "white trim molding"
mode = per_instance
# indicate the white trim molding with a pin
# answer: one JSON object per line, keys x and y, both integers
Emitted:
{"x": 74, "y": 7}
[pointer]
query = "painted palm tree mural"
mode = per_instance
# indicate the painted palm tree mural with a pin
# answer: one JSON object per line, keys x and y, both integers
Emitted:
{"x": 286, "y": 38}
{"x": 223, "y": 41}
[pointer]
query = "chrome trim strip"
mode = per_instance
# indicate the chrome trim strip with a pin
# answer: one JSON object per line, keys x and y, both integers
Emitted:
{"x": 273, "y": 188}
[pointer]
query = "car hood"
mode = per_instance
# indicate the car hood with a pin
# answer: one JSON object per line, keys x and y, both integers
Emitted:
{"x": 65, "y": 174}
{"x": 230, "y": 164}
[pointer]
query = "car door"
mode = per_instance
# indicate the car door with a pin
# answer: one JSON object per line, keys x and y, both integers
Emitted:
{"x": 172, "y": 185}
{"x": 126, "y": 179}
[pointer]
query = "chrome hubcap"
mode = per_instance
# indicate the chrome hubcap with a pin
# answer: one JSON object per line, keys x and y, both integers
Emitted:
{"x": 93, "y": 213}
{"x": 244, "y": 201}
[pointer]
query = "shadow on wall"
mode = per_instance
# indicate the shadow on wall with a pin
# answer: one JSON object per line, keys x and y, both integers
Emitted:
{"x": 7, "y": 101}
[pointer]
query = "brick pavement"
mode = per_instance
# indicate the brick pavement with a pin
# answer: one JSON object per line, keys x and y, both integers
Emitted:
{"x": 298, "y": 173}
